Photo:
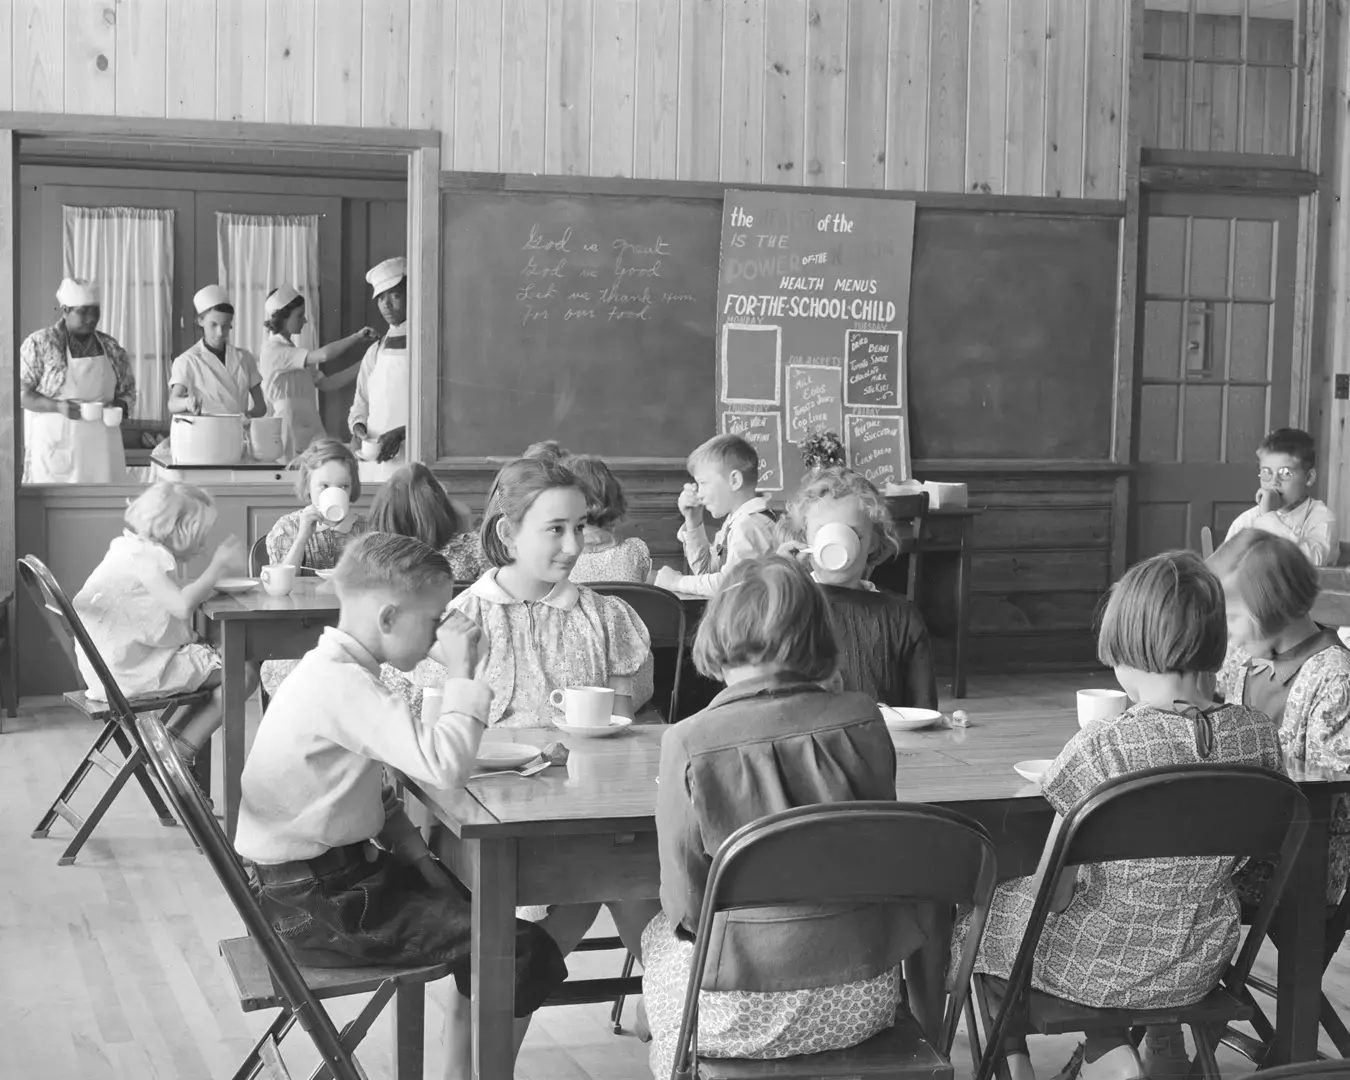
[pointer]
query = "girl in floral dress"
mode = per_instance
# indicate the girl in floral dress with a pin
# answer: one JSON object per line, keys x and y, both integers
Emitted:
{"x": 413, "y": 503}
{"x": 604, "y": 557}
{"x": 1155, "y": 933}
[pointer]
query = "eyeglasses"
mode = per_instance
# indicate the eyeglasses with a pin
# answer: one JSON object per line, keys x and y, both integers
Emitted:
{"x": 1282, "y": 474}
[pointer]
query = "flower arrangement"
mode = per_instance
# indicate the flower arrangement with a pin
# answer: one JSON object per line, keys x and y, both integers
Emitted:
{"x": 823, "y": 450}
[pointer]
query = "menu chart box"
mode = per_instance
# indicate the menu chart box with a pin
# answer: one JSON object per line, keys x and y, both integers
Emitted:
{"x": 751, "y": 369}
{"x": 872, "y": 362}
{"x": 813, "y": 400}
{"x": 877, "y": 447}
{"x": 764, "y": 432}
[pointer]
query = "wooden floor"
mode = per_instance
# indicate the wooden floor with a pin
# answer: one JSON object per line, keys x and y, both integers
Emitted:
{"x": 109, "y": 968}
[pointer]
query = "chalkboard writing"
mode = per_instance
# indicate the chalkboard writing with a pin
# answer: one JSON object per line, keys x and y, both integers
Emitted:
{"x": 877, "y": 446}
{"x": 873, "y": 358}
{"x": 813, "y": 400}
{"x": 763, "y": 431}
{"x": 751, "y": 372}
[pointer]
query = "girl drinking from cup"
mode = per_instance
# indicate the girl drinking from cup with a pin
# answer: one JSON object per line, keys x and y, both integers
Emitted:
{"x": 313, "y": 538}
{"x": 1156, "y": 933}
{"x": 839, "y": 524}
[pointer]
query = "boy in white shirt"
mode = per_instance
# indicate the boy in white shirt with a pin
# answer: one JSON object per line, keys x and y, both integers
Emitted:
{"x": 314, "y": 798}
{"x": 725, "y": 469}
{"x": 1288, "y": 459}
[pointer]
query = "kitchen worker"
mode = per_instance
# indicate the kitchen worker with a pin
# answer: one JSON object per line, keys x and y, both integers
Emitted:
{"x": 59, "y": 367}
{"x": 291, "y": 375}
{"x": 215, "y": 376}
{"x": 380, "y": 410}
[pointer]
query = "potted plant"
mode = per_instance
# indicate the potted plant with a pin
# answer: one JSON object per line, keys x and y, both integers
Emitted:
{"x": 823, "y": 450}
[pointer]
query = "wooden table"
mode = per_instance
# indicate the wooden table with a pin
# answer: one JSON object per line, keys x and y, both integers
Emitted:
{"x": 586, "y": 832}
{"x": 1333, "y": 602}
{"x": 249, "y": 628}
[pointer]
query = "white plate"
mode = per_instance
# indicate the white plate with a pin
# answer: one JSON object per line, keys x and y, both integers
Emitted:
{"x": 1032, "y": 770}
{"x": 326, "y": 574}
{"x": 615, "y": 725}
{"x": 236, "y": 584}
{"x": 505, "y": 756}
{"x": 901, "y": 719}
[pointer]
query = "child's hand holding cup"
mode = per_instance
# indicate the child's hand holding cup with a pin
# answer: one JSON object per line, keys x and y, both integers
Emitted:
{"x": 456, "y": 647}
{"x": 691, "y": 506}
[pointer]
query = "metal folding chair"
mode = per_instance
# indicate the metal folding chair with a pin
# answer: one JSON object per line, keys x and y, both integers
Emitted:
{"x": 933, "y": 856}
{"x": 1179, "y": 811}
{"x": 662, "y": 613}
{"x": 117, "y": 714}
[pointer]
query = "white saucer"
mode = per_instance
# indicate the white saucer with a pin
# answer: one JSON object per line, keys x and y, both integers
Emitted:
{"x": 504, "y": 756}
{"x": 1033, "y": 770}
{"x": 902, "y": 719}
{"x": 236, "y": 584}
{"x": 326, "y": 574}
{"x": 615, "y": 725}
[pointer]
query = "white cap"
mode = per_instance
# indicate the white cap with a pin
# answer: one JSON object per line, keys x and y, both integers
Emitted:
{"x": 209, "y": 297}
{"x": 389, "y": 273}
{"x": 77, "y": 292}
{"x": 279, "y": 299}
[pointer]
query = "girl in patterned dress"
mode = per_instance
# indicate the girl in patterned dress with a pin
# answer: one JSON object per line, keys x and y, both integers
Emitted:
{"x": 413, "y": 503}
{"x": 603, "y": 557}
{"x": 1160, "y": 932}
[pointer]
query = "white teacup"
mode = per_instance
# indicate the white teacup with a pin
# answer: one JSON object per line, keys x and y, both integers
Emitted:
{"x": 370, "y": 449}
{"x": 112, "y": 415}
{"x": 835, "y": 546}
{"x": 278, "y": 579}
{"x": 585, "y": 706}
{"x": 91, "y": 410}
{"x": 333, "y": 504}
{"x": 1100, "y": 705}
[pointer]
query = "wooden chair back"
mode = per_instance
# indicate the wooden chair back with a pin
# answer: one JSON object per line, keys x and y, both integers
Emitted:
{"x": 934, "y": 855}
{"x": 257, "y": 557}
{"x": 1178, "y": 811}
{"x": 194, "y": 812}
{"x": 1206, "y": 542}
{"x": 662, "y": 613}
{"x": 909, "y": 513}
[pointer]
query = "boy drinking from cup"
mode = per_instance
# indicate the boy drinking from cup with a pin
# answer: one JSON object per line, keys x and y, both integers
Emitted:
{"x": 1288, "y": 469}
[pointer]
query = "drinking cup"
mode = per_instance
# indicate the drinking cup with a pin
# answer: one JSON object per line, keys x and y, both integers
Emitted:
{"x": 1100, "y": 705}
{"x": 112, "y": 415}
{"x": 91, "y": 410}
{"x": 370, "y": 449}
{"x": 278, "y": 579}
{"x": 333, "y": 504}
{"x": 585, "y": 706}
{"x": 835, "y": 546}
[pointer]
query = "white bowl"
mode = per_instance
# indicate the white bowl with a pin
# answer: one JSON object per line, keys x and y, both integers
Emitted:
{"x": 236, "y": 584}
{"x": 1034, "y": 769}
{"x": 903, "y": 719}
{"x": 616, "y": 724}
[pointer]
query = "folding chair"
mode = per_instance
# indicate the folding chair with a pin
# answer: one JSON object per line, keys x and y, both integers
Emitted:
{"x": 909, "y": 512}
{"x": 266, "y": 976}
{"x": 117, "y": 713}
{"x": 257, "y": 557}
{"x": 933, "y": 856}
{"x": 1313, "y": 1070}
{"x": 1179, "y": 811}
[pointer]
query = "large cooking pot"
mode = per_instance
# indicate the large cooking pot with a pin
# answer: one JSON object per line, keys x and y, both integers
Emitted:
{"x": 209, "y": 439}
{"x": 264, "y": 438}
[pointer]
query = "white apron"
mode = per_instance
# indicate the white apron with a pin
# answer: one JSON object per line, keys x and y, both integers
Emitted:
{"x": 301, "y": 423}
{"x": 59, "y": 450}
{"x": 388, "y": 391}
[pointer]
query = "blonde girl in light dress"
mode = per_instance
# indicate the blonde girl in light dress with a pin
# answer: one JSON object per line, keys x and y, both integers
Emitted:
{"x": 138, "y": 606}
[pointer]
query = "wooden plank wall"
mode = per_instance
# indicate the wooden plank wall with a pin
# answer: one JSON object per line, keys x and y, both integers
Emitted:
{"x": 1001, "y": 96}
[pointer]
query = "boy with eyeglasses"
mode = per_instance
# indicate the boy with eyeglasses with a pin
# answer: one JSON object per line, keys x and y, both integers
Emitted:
{"x": 1283, "y": 506}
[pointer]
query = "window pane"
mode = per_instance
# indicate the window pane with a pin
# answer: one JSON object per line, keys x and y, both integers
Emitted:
{"x": 1169, "y": 123}
{"x": 1209, "y": 257}
{"x": 1246, "y": 424}
{"x": 1214, "y": 116}
{"x": 1268, "y": 120}
{"x": 1162, "y": 339}
{"x": 1253, "y": 249}
{"x": 1200, "y": 434}
{"x": 1251, "y": 326}
{"x": 1158, "y": 423}
{"x": 1166, "y": 256}
{"x": 1219, "y": 36}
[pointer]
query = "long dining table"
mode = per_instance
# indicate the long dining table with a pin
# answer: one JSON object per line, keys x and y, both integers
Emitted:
{"x": 586, "y": 832}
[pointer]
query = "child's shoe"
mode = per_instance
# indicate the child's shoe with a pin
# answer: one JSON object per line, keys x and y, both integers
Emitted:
{"x": 1165, "y": 1056}
{"x": 1122, "y": 1063}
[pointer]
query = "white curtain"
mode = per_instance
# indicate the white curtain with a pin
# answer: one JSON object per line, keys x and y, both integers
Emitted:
{"x": 129, "y": 254}
{"x": 257, "y": 254}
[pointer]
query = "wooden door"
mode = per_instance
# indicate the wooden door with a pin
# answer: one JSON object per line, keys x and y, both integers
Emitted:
{"x": 1213, "y": 362}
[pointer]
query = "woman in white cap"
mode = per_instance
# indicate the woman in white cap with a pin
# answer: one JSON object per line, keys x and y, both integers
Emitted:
{"x": 380, "y": 409}
{"x": 60, "y": 367}
{"x": 214, "y": 376}
{"x": 291, "y": 375}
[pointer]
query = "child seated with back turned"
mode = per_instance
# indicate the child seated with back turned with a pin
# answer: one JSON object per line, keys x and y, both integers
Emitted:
{"x": 884, "y": 648}
{"x": 725, "y": 469}
{"x": 412, "y": 502}
{"x": 603, "y": 557}
{"x": 1288, "y": 469}
{"x": 314, "y": 801}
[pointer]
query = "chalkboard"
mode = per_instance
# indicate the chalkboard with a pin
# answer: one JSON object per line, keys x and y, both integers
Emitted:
{"x": 582, "y": 318}
{"x": 876, "y": 445}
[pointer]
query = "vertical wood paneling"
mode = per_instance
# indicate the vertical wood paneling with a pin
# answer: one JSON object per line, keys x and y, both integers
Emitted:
{"x": 241, "y": 46}
{"x": 826, "y": 92}
{"x": 907, "y": 125}
{"x": 1066, "y": 31}
{"x": 1024, "y": 171}
{"x": 39, "y": 57}
{"x": 384, "y": 64}
{"x": 289, "y": 68}
{"x": 7, "y": 76}
{"x": 613, "y": 77}
{"x": 987, "y": 96}
{"x": 524, "y": 85}
{"x": 142, "y": 30}
{"x": 432, "y": 68}
{"x": 743, "y": 75}
{"x": 784, "y": 92}
{"x": 338, "y": 52}
{"x": 868, "y": 77}
{"x": 949, "y": 68}
{"x": 190, "y": 62}
{"x": 478, "y": 47}
{"x": 700, "y": 115}
{"x": 567, "y": 134}
{"x": 1103, "y": 175}
{"x": 657, "y": 95}
{"x": 91, "y": 51}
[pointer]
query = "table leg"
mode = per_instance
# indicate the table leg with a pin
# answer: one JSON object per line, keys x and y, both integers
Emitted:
{"x": 962, "y": 610}
{"x": 1302, "y": 914}
{"x": 232, "y": 642}
{"x": 494, "y": 957}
